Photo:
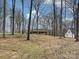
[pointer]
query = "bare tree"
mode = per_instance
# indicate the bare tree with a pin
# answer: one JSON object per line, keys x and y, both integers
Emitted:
{"x": 23, "y": 29}
{"x": 18, "y": 20}
{"x": 54, "y": 17}
{"x": 77, "y": 22}
{"x": 65, "y": 9}
{"x": 1, "y": 3}
{"x": 33, "y": 21}
{"x": 37, "y": 4}
{"x": 4, "y": 18}
{"x": 13, "y": 15}
{"x": 1, "y": 16}
{"x": 61, "y": 19}
{"x": 28, "y": 34}
{"x": 74, "y": 3}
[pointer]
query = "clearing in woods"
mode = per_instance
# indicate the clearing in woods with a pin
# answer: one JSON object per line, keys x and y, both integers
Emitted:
{"x": 39, "y": 47}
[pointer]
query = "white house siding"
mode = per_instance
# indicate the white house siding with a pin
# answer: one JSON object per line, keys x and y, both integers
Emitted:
{"x": 7, "y": 25}
{"x": 69, "y": 34}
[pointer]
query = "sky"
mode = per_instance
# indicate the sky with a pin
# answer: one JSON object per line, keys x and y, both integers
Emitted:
{"x": 46, "y": 5}
{"x": 45, "y": 8}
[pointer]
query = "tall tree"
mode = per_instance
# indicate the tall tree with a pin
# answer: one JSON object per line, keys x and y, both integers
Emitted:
{"x": 33, "y": 20}
{"x": 65, "y": 9}
{"x": 1, "y": 8}
{"x": 28, "y": 34}
{"x": 23, "y": 29}
{"x": 37, "y": 4}
{"x": 61, "y": 19}
{"x": 13, "y": 15}
{"x": 54, "y": 17}
{"x": 1, "y": 3}
{"x": 18, "y": 20}
{"x": 74, "y": 2}
{"x": 4, "y": 18}
{"x": 77, "y": 22}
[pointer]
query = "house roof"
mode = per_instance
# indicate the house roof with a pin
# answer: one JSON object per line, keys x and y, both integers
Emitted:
{"x": 71, "y": 29}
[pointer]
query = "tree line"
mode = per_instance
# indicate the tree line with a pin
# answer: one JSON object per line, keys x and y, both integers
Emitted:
{"x": 53, "y": 17}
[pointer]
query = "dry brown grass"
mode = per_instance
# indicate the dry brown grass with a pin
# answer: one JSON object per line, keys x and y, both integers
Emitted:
{"x": 39, "y": 47}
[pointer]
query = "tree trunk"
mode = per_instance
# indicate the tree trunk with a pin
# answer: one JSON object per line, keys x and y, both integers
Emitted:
{"x": 33, "y": 22}
{"x": 74, "y": 19}
{"x": 54, "y": 17}
{"x": 23, "y": 29}
{"x": 28, "y": 34}
{"x": 61, "y": 20}
{"x": 4, "y": 18}
{"x": 19, "y": 25}
{"x": 13, "y": 15}
{"x": 77, "y": 20}
{"x": 37, "y": 20}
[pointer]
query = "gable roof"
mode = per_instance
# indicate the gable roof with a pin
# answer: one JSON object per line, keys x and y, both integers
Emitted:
{"x": 71, "y": 29}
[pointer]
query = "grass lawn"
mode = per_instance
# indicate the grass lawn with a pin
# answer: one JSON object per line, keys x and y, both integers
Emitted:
{"x": 39, "y": 47}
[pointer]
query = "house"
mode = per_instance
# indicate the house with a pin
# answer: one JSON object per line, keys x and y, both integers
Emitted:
{"x": 40, "y": 31}
{"x": 69, "y": 34}
{"x": 7, "y": 24}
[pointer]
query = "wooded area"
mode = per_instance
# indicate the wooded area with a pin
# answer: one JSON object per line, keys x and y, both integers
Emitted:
{"x": 55, "y": 19}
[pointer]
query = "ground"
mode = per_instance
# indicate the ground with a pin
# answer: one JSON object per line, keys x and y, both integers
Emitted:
{"x": 39, "y": 47}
